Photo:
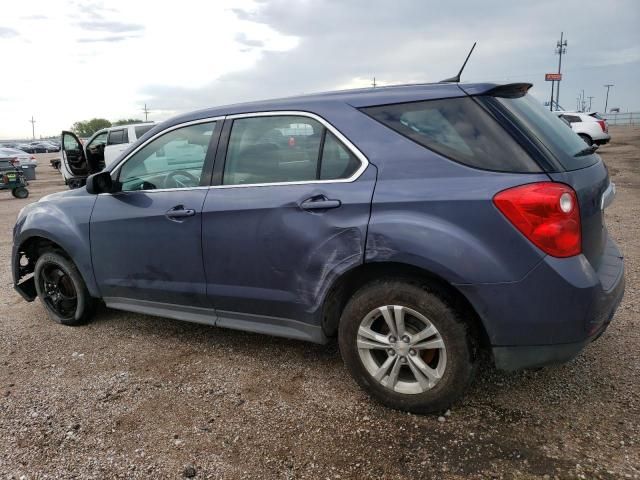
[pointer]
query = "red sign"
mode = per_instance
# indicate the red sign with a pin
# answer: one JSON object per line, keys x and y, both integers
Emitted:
{"x": 553, "y": 77}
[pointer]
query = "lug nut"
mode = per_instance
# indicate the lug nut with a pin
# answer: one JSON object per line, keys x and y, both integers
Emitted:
{"x": 392, "y": 339}
{"x": 403, "y": 360}
{"x": 406, "y": 339}
{"x": 412, "y": 352}
{"x": 391, "y": 352}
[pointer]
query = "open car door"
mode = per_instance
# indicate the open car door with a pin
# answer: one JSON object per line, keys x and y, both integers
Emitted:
{"x": 74, "y": 160}
{"x": 76, "y": 166}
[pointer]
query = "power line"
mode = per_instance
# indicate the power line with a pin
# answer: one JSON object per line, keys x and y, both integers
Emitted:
{"x": 606, "y": 102}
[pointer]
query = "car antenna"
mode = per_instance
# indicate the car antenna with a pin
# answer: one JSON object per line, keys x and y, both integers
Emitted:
{"x": 456, "y": 79}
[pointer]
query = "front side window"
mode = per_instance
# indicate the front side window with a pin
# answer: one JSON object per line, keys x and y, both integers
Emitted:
{"x": 285, "y": 148}
{"x": 97, "y": 142}
{"x": 173, "y": 160}
{"x": 459, "y": 129}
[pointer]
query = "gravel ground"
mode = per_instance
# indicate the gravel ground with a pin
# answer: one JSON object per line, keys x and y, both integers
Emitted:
{"x": 132, "y": 396}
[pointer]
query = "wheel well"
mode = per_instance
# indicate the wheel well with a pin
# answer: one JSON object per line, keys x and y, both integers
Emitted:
{"x": 344, "y": 288}
{"x": 32, "y": 248}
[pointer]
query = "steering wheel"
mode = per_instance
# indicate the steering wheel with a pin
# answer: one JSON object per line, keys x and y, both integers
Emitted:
{"x": 178, "y": 183}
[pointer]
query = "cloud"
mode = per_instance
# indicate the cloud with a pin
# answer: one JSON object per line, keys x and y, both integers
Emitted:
{"x": 109, "y": 39}
{"x": 109, "y": 26}
{"x": 343, "y": 44}
{"x": 6, "y": 32}
{"x": 244, "y": 40}
{"x": 34, "y": 17}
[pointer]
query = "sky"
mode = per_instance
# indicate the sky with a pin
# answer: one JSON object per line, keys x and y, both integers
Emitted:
{"x": 68, "y": 60}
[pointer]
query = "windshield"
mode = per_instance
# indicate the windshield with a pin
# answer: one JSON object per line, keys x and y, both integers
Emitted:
{"x": 568, "y": 148}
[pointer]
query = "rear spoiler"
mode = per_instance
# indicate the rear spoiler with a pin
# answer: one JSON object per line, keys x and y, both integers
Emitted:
{"x": 511, "y": 90}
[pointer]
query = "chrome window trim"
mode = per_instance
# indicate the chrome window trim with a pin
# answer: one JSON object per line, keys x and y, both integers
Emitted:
{"x": 364, "y": 162}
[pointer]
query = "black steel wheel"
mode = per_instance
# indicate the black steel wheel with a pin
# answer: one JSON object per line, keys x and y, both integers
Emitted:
{"x": 62, "y": 290}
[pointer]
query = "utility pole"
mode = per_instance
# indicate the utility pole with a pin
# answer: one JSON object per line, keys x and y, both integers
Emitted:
{"x": 561, "y": 48}
{"x": 606, "y": 102}
{"x": 146, "y": 112}
{"x": 33, "y": 127}
{"x": 590, "y": 98}
{"x": 577, "y": 104}
{"x": 374, "y": 82}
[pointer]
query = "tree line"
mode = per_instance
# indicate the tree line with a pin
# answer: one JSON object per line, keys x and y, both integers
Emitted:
{"x": 87, "y": 128}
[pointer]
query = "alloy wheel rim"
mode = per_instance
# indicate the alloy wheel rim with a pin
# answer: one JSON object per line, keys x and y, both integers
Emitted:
{"x": 401, "y": 349}
{"x": 59, "y": 292}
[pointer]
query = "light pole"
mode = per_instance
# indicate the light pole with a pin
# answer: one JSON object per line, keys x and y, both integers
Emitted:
{"x": 33, "y": 127}
{"x": 590, "y": 98}
{"x": 561, "y": 48}
{"x": 606, "y": 102}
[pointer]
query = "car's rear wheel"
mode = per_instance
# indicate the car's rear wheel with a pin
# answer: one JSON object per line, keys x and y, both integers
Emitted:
{"x": 586, "y": 138}
{"x": 406, "y": 347}
{"x": 62, "y": 290}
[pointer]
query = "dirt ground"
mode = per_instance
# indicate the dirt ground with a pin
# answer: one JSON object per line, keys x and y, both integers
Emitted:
{"x": 133, "y": 396}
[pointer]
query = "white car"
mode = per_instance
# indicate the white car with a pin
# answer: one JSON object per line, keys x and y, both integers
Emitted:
{"x": 100, "y": 151}
{"x": 590, "y": 126}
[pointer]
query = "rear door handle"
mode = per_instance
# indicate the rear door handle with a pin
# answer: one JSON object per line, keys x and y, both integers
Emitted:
{"x": 179, "y": 212}
{"x": 320, "y": 203}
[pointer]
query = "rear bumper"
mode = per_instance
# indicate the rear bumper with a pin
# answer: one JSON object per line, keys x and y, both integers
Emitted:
{"x": 549, "y": 316}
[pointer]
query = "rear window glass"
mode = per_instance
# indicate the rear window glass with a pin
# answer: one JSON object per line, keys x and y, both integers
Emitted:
{"x": 459, "y": 129}
{"x": 553, "y": 133}
{"x": 142, "y": 129}
{"x": 117, "y": 137}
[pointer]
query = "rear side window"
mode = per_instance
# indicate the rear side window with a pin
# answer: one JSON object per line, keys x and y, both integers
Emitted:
{"x": 142, "y": 129}
{"x": 571, "y": 118}
{"x": 459, "y": 129}
{"x": 117, "y": 137}
{"x": 285, "y": 148}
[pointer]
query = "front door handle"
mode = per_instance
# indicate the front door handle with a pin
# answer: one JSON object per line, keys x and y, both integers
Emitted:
{"x": 178, "y": 212}
{"x": 320, "y": 203}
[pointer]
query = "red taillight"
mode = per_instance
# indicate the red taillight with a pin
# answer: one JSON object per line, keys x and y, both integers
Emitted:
{"x": 603, "y": 125}
{"x": 546, "y": 213}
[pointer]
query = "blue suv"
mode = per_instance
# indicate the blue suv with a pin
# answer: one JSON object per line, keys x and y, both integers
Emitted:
{"x": 418, "y": 224}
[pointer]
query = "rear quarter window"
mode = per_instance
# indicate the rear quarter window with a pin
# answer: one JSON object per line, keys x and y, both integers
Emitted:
{"x": 459, "y": 129}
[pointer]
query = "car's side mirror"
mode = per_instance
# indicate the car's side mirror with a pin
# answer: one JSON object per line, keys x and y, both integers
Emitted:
{"x": 101, "y": 182}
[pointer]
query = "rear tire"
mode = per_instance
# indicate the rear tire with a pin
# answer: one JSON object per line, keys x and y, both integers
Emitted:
{"x": 389, "y": 364}
{"x": 586, "y": 138}
{"x": 62, "y": 290}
